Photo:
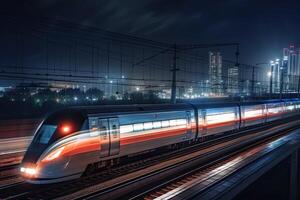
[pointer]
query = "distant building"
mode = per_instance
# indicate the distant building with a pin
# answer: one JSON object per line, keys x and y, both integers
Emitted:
{"x": 277, "y": 67}
{"x": 215, "y": 73}
{"x": 246, "y": 87}
{"x": 204, "y": 87}
{"x": 293, "y": 67}
{"x": 233, "y": 80}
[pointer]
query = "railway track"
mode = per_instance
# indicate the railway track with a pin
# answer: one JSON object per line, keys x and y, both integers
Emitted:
{"x": 9, "y": 175}
{"x": 105, "y": 182}
{"x": 151, "y": 180}
{"x": 12, "y": 151}
{"x": 8, "y": 171}
{"x": 206, "y": 176}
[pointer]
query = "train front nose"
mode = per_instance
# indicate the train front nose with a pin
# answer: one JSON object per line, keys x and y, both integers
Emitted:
{"x": 48, "y": 155}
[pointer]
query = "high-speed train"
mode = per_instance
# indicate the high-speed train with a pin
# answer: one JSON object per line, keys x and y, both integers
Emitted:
{"x": 73, "y": 141}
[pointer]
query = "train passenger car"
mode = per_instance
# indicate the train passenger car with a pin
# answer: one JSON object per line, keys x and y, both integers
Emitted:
{"x": 275, "y": 110}
{"x": 253, "y": 113}
{"x": 153, "y": 128}
{"x": 217, "y": 118}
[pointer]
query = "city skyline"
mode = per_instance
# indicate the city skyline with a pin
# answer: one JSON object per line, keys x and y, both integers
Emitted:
{"x": 217, "y": 80}
{"x": 62, "y": 52}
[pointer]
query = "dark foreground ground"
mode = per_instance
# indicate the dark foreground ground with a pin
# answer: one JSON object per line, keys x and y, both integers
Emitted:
{"x": 274, "y": 185}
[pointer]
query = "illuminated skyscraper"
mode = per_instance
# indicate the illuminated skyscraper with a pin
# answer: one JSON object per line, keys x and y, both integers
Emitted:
{"x": 233, "y": 80}
{"x": 215, "y": 72}
{"x": 276, "y": 75}
{"x": 293, "y": 67}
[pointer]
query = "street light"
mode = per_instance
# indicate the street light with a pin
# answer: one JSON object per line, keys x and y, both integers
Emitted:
{"x": 269, "y": 74}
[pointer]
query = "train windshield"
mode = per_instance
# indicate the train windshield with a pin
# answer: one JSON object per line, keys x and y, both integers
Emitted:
{"x": 44, "y": 134}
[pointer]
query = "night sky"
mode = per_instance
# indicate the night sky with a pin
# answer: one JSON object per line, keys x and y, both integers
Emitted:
{"x": 262, "y": 28}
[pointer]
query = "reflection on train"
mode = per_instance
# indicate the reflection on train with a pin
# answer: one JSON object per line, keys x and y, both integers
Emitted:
{"x": 77, "y": 140}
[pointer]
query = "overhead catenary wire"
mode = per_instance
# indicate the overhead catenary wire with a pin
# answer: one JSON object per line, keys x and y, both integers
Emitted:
{"x": 154, "y": 63}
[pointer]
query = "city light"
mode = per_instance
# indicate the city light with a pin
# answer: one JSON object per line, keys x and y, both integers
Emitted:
{"x": 269, "y": 74}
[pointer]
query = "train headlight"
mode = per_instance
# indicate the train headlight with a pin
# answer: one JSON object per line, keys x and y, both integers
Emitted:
{"x": 28, "y": 170}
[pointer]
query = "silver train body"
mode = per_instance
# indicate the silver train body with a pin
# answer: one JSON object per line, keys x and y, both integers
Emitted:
{"x": 70, "y": 141}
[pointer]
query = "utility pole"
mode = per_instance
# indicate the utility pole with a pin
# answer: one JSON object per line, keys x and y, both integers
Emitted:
{"x": 174, "y": 71}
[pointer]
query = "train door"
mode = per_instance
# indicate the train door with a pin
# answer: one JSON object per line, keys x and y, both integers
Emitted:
{"x": 265, "y": 112}
{"x": 189, "y": 125}
{"x": 104, "y": 137}
{"x": 109, "y": 136}
{"x": 237, "y": 117}
{"x": 114, "y": 136}
{"x": 204, "y": 130}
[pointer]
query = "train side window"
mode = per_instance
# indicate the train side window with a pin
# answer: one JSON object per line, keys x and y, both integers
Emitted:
{"x": 126, "y": 128}
{"x": 173, "y": 122}
{"x": 252, "y": 112}
{"x": 165, "y": 123}
{"x": 181, "y": 122}
{"x": 138, "y": 127}
{"x": 157, "y": 124}
{"x": 148, "y": 125}
{"x": 220, "y": 117}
